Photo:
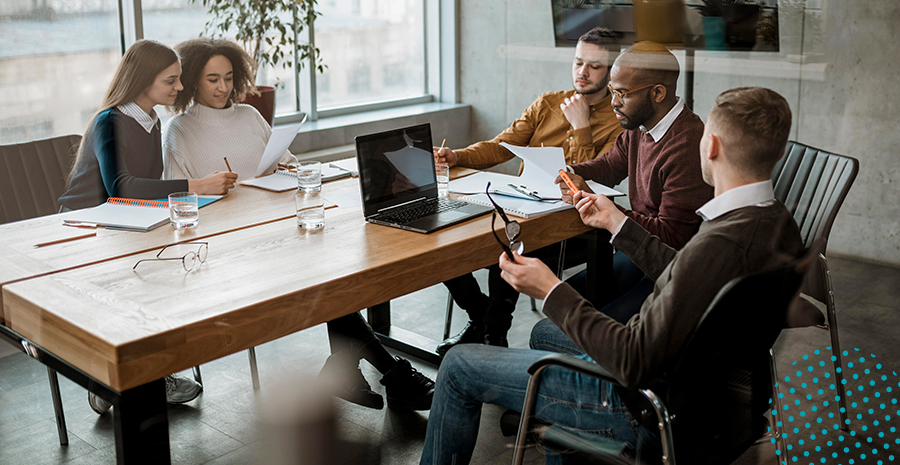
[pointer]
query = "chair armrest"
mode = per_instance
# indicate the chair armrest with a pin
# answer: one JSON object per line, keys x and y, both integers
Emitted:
{"x": 575, "y": 364}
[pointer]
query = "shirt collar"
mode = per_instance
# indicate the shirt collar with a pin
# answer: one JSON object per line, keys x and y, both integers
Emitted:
{"x": 134, "y": 111}
{"x": 662, "y": 127}
{"x": 758, "y": 194}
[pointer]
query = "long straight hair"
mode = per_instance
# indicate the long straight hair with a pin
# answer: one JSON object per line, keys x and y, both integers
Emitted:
{"x": 140, "y": 65}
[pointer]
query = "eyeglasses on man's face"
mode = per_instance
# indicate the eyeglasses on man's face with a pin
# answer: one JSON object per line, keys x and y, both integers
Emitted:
{"x": 188, "y": 261}
{"x": 512, "y": 229}
{"x": 622, "y": 94}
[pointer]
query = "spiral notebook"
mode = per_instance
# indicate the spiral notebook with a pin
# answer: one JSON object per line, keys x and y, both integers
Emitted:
{"x": 518, "y": 206}
{"x": 129, "y": 214}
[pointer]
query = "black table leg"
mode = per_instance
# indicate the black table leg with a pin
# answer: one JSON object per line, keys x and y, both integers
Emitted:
{"x": 142, "y": 424}
{"x": 408, "y": 342}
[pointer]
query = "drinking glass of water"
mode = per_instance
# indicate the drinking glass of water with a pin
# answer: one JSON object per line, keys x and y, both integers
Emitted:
{"x": 310, "y": 209}
{"x": 443, "y": 179}
{"x": 183, "y": 210}
{"x": 309, "y": 176}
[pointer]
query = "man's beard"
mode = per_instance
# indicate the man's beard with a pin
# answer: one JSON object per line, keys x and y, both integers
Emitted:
{"x": 639, "y": 116}
{"x": 597, "y": 88}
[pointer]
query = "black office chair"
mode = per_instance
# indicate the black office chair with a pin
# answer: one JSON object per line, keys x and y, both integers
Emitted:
{"x": 712, "y": 401}
{"x": 813, "y": 184}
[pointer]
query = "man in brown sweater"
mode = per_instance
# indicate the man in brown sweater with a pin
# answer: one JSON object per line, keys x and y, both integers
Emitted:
{"x": 580, "y": 121}
{"x": 744, "y": 230}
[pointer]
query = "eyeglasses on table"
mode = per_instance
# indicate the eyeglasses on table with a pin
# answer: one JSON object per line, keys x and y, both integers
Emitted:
{"x": 188, "y": 260}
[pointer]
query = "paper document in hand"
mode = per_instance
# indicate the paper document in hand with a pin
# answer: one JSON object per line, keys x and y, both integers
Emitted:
{"x": 279, "y": 142}
{"x": 540, "y": 167}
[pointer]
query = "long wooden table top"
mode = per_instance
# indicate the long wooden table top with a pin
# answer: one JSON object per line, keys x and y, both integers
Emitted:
{"x": 128, "y": 327}
{"x": 243, "y": 207}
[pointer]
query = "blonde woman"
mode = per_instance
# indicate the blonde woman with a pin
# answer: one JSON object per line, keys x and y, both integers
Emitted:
{"x": 121, "y": 152}
{"x": 121, "y": 155}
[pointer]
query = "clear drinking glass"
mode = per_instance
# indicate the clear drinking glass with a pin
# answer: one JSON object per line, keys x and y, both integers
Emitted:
{"x": 309, "y": 176}
{"x": 310, "y": 209}
{"x": 183, "y": 210}
{"x": 443, "y": 179}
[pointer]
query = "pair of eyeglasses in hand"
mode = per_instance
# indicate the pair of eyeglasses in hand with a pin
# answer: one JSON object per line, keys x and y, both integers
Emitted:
{"x": 188, "y": 260}
{"x": 512, "y": 229}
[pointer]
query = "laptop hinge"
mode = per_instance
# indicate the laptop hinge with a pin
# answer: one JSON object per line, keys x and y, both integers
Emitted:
{"x": 400, "y": 205}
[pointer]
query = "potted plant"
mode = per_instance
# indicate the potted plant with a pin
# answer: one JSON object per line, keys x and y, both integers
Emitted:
{"x": 260, "y": 26}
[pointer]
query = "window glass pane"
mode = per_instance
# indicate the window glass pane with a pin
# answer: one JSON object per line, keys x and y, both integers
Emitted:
{"x": 374, "y": 50}
{"x": 56, "y": 60}
{"x": 174, "y": 21}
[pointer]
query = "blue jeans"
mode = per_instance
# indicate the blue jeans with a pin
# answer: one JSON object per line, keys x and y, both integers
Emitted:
{"x": 472, "y": 375}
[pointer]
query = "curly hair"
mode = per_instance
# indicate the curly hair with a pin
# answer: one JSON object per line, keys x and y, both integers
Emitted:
{"x": 195, "y": 53}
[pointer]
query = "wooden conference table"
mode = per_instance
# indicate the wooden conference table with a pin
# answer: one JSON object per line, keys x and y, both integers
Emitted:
{"x": 79, "y": 308}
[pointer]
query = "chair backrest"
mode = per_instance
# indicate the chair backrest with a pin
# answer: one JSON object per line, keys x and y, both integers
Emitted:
{"x": 33, "y": 176}
{"x": 812, "y": 184}
{"x": 720, "y": 387}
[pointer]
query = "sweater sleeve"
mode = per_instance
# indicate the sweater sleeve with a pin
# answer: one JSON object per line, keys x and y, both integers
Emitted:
{"x": 175, "y": 164}
{"x": 608, "y": 169}
{"x": 112, "y": 152}
{"x": 636, "y": 353}
{"x": 683, "y": 192}
{"x": 482, "y": 155}
{"x": 647, "y": 251}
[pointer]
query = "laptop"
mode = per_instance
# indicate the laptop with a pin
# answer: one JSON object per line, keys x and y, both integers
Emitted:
{"x": 398, "y": 183}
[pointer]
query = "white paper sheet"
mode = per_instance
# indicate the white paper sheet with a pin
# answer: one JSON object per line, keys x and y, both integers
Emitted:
{"x": 279, "y": 141}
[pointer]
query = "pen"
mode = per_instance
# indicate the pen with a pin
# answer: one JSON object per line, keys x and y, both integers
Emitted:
{"x": 524, "y": 190}
{"x": 339, "y": 167}
{"x": 79, "y": 224}
{"x": 58, "y": 241}
{"x": 442, "y": 144}
{"x": 227, "y": 164}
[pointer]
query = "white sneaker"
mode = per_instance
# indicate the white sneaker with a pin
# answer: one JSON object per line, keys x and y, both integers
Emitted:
{"x": 180, "y": 390}
{"x": 98, "y": 404}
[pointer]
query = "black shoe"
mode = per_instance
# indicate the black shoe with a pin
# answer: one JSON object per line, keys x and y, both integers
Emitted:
{"x": 498, "y": 340}
{"x": 349, "y": 383}
{"x": 471, "y": 334}
{"x": 406, "y": 388}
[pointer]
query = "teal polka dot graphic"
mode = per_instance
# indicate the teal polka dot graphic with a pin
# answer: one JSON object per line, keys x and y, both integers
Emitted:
{"x": 814, "y": 413}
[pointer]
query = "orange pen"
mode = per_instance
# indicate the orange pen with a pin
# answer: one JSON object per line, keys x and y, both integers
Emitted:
{"x": 565, "y": 177}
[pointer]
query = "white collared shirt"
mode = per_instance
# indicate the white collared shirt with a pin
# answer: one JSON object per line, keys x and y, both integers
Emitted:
{"x": 758, "y": 194}
{"x": 662, "y": 127}
{"x": 134, "y": 111}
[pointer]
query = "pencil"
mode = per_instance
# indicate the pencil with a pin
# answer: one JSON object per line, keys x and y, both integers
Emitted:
{"x": 58, "y": 241}
{"x": 442, "y": 143}
{"x": 227, "y": 164}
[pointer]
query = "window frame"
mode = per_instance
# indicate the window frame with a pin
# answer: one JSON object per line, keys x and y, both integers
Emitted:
{"x": 440, "y": 63}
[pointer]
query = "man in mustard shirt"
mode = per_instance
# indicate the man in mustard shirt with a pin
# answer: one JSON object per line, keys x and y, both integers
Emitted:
{"x": 582, "y": 122}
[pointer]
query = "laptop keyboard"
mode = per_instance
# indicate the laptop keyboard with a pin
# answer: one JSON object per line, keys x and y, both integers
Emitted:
{"x": 420, "y": 210}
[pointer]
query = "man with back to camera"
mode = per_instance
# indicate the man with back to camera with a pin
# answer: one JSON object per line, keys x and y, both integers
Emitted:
{"x": 578, "y": 120}
{"x": 658, "y": 153}
{"x": 744, "y": 230}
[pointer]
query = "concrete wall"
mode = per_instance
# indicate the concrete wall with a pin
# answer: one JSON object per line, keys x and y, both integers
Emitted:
{"x": 837, "y": 67}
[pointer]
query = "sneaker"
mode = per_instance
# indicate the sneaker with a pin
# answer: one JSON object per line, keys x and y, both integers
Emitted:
{"x": 471, "y": 334}
{"x": 406, "y": 388}
{"x": 349, "y": 383}
{"x": 180, "y": 390}
{"x": 98, "y": 404}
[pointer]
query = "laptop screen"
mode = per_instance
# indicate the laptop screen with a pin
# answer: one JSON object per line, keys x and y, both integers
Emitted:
{"x": 395, "y": 167}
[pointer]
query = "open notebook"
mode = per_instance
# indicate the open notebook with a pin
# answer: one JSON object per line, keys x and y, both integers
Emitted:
{"x": 283, "y": 180}
{"x": 131, "y": 214}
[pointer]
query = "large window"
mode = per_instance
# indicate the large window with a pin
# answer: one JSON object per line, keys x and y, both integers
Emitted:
{"x": 57, "y": 58}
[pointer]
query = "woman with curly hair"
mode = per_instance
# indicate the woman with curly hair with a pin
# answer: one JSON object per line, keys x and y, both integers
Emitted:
{"x": 210, "y": 124}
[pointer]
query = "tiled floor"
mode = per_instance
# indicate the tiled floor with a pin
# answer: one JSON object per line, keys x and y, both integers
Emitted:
{"x": 221, "y": 427}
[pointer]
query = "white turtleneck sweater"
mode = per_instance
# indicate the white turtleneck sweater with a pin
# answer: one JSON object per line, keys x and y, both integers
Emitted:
{"x": 196, "y": 141}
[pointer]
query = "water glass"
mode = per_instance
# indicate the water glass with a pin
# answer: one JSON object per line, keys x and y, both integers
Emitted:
{"x": 309, "y": 176}
{"x": 443, "y": 179}
{"x": 183, "y": 210}
{"x": 310, "y": 209}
